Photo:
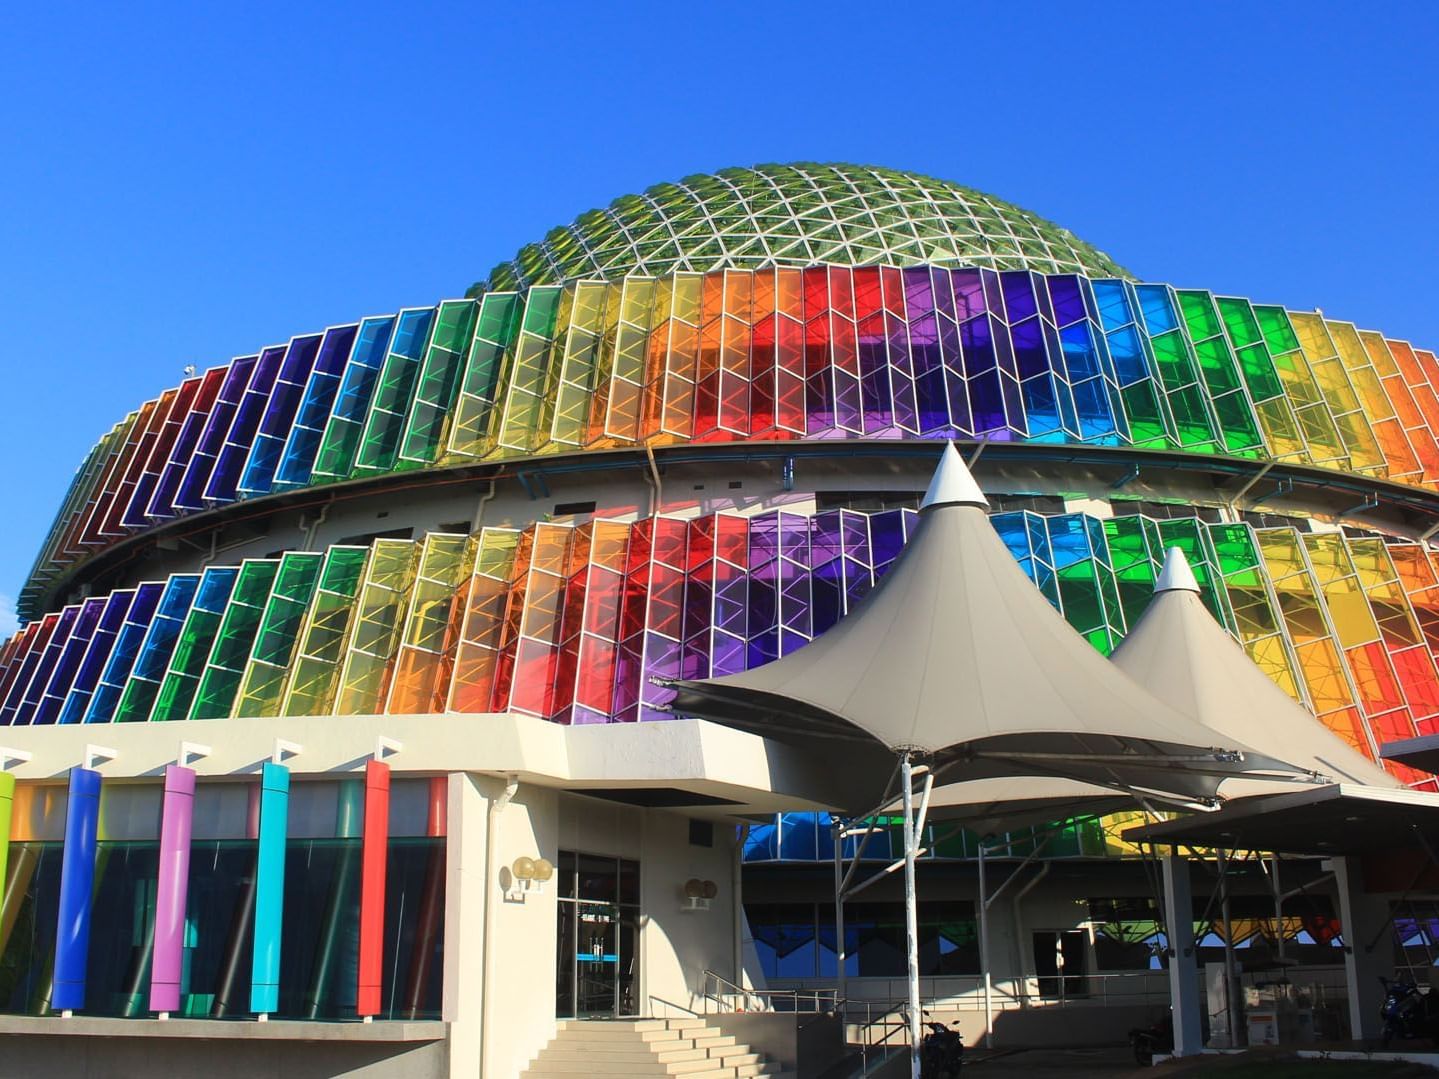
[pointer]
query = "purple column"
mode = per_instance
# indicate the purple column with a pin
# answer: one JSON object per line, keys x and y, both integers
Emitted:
{"x": 177, "y": 818}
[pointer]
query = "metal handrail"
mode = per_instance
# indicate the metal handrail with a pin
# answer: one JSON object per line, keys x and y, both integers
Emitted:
{"x": 671, "y": 1004}
{"x": 761, "y": 997}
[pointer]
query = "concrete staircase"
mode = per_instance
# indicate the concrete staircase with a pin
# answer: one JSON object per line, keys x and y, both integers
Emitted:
{"x": 611, "y": 1049}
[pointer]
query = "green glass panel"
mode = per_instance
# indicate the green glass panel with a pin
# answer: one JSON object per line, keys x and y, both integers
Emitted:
{"x": 231, "y": 652}
{"x": 496, "y": 332}
{"x": 385, "y": 424}
{"x": 525, "y": 396}
{"x": 438, "y": 384}
{"x": 322, "y": 639}
{"x": 263, "y": 682}
{"x": 1191, "y": 419}
{"x": 197, "y": 637}
{"x": 1147, "y": 425}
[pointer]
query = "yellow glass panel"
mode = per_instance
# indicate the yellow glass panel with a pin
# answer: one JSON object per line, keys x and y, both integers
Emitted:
{"x": 478, "y": 648}
{"x": 581, "y": 360}
{"x": 375, "y": 629}
{"x": 431, "y": 627}
{"x": 1334, "y": 383}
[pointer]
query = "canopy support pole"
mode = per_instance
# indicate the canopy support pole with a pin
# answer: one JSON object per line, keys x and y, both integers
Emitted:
{"x": 836, "y": 829}
{"x": 1183, "y": 966}
{"x": 1231, "y": 966}
{"x": 911, "y": 913}
{"x": 984, "y": 952}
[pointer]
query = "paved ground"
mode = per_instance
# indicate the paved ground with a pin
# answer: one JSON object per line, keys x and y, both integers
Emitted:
{"x": 1119, "y": 1064}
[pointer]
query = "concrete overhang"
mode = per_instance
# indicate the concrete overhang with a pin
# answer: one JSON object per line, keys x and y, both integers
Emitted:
{"x": 1337, "y": 818}
{"x": 727, "y": 772}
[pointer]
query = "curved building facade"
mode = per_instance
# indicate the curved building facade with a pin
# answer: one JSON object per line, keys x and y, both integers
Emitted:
{"x": 681, "y": 437}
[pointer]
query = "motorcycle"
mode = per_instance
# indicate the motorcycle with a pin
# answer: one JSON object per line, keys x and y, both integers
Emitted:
{"x": 1149, "y": 1042}
{"x": 941, "y": 1053}
{"x": 1408, "y": 1012}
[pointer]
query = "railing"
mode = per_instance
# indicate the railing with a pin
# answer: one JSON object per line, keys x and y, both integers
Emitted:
{"x": 728, "y": 997}
{"x": 961, "y": 992}
{"x": 665, "y": 1006}
{"x": 885, "y": 1030}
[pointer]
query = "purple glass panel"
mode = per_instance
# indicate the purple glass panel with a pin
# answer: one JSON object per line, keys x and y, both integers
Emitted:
{"x": 1029, "y": 353}
{"x": 190, "y": 493}
{"x": 1018, "y": 296}
{"x": 1068, "y": 298}
{"x": 240, "y": 438}
{"x": 969, "y": 292}
{"x": 793, "y": 580}
{"x": 30, "y": 702}
{"x": 662, "y": 659}
{"x": 763, "y": 629}
{"x": 69, "y": 662}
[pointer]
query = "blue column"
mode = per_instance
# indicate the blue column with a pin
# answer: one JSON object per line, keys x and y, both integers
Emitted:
{"x": 77, "y": 889}
{"x": 270, "y": 888}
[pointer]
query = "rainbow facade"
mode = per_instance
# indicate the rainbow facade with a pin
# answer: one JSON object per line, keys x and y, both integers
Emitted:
{"x": 739, "y": 381}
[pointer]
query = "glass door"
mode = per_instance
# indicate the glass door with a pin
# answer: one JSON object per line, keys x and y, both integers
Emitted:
{"x": 597, "y": 961}
{"x": 597, "y": 939}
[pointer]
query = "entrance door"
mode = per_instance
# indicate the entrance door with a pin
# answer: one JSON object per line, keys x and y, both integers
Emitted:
{"x": 597, "y": 961}
{"x": 597, "y": 938}
{"x": 1059, "y": 962}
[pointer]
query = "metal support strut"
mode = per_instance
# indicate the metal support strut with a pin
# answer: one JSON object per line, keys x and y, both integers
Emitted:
{"x": 911, "y": 917}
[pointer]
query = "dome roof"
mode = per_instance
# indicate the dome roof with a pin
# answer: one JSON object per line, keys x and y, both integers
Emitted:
{"x": 800, "y": 215}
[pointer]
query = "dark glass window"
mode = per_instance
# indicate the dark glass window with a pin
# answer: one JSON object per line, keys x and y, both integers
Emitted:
{"x": 319, "y": 943}
{"x": 796, "y": 940}
{"x": 598, "y": 879}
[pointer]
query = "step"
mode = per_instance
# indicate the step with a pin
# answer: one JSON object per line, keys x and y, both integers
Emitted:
{"x": 611, "y": 1049}
{"x": 623, "y": 1037}
{"x": 572, "y": 1054}
{"x": 613, "y": 1059}
{"x": 742, "y": 1055}
{"x": 714, "y": 1041}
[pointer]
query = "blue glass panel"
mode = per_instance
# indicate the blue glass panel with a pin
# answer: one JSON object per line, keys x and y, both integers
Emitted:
{"x": 190, "y": 494}
{"x": 121, "y": 660}
{"x": 303, "y": 442}
{"x": 240, "y": 438}
{"x": 1159, "y": 314}
{"x": 259, "y": 471}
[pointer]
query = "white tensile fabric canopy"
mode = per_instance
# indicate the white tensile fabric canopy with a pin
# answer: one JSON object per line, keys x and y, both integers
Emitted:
{"x": 957, "y": 659}
{"x": 1184, "y": 657}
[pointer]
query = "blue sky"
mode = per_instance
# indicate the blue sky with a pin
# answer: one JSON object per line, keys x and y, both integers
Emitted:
{"x": 184, "y": 183}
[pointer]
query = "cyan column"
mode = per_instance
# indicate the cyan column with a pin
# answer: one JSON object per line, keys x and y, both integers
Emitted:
{"x": 177, "y": 818}
{"x": 77, "y": 889}
{"x": 270, "y": 888}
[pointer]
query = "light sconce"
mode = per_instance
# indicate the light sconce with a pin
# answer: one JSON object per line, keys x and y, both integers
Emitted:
{"x": 699, "y": 894}
{"x": 529, "y": 875}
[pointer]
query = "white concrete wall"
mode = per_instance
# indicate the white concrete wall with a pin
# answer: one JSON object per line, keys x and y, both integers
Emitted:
{"x": 505, "y": 953}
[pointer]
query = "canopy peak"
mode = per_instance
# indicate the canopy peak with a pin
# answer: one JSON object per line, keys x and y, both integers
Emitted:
{"x": 1176, "y": 576}
{"x": 953, "y": 484}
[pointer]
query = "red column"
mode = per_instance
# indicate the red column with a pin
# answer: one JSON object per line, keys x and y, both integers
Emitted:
{"x": 374, "y": 847}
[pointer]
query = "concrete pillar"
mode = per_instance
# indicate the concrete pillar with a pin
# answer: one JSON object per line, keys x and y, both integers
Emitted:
{"x": 1368, "y": 948}
{"x": 465, "y": 898}
{"x": 1183, "y": 968}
